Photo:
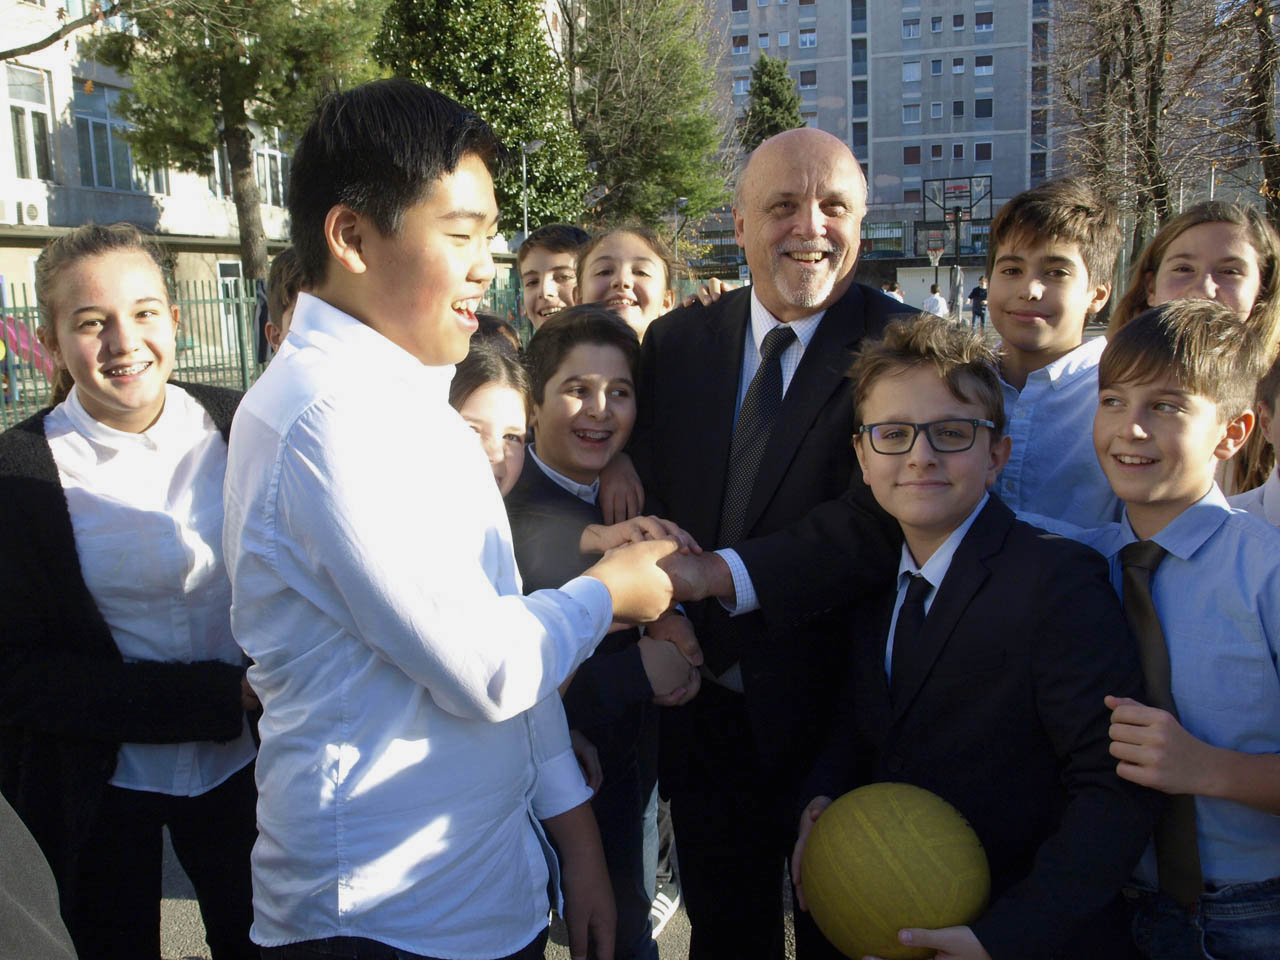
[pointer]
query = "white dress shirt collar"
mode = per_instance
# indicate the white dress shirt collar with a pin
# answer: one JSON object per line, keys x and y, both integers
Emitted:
{"x": 587, "y": 493}
{"x": 762, "y": 321}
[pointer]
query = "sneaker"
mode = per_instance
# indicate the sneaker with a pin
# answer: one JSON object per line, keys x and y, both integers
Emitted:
{"x": 665, "y": 905}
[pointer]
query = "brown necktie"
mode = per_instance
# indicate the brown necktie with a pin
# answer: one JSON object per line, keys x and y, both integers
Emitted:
{"x": 1177, "y": 852}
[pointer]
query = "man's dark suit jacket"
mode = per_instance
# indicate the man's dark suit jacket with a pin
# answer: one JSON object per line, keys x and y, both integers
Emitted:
{"x": 999, "y": 711}
{"x": 689, "y": 380}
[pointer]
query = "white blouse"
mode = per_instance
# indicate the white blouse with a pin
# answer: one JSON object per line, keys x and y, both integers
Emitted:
{"x": 146, "y": 510}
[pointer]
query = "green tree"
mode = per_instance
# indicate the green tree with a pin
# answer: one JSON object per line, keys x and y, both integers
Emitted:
{"x": 646, "y": 105}
{"x": 773, "y": 103}
{"x": 202, "y": 71}
{"x": 492, "y": 56}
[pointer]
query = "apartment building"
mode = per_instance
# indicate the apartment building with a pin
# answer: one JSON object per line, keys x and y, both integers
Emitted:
{"x": 944, "y": 103}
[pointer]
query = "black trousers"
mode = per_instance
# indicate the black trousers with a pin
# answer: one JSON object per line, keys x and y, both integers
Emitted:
{"x": 114, "y": 912}
{"x": 736, "y": 834}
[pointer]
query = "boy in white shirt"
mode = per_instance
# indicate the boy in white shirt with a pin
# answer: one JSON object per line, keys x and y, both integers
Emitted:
{"x": 412, "y": 736}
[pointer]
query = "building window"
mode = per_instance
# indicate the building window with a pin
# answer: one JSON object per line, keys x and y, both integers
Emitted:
{"x": 738, "y": 6}
{"x": 764, "y": 41}
{"x": 806, "y": 3}
{"x": 910, "y": 71}
{"x": 741, "y": 44}
{"x": 957, "y": 22}
{"x": 983, "y": 22}
{"x": 957, "y": 108}
{"x": 911, "y": 29}
{"x": 30, "y": 122}
{"x": 935, "y": 110}
{"x": 858, "y": 99}
{"x": 741, "y": 85}
{"x": 911, "y": 156}
{"x": 271, "y": 167}
{"x": 762, "y": 3}
{"x": 1039, "y": 167}
{"x": 984, "y": 66}
{"x": 784, "y": 38}
{"x": 858, "y": 15}
{"x": 911, "y": 113}
{"x": 935, "y": 151}
{"x": 808, "y": 39}
{"x": 935, "y": 24}
{"x": 911, "y": 196}
{"x": 982, "y": 152}
{"x": 810, "y": 119}
{"x": 935, "y": 68}
{"x": 808, "y": 79}
{"x": 858, "y": 137}
{"x": 957, "y": 151}
{"x": 957, "y": 65}
{"x": 105, "y": 158}
{"x": 1039, "y": 41}
{"x": 982, "y": 108}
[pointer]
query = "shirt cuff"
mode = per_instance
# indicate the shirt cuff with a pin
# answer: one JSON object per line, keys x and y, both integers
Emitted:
{"x": 560, "y": 786}
{"x": 745, "y": 599}
{"x": 595, "y": 598}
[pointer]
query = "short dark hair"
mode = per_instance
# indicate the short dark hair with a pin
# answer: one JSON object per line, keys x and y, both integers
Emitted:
{"x": 488, "y": 362}
{"x": 1201, "y": 344}
{"x": 1068, "y": 210}
{"x": 284, "y": 280}
{"x": 554, "y": 238}
{"x": 585, "y": 323}
{"x": 960, "y": 357}
{"x": 493, "y": 329}
{"x": 378, "y": 148}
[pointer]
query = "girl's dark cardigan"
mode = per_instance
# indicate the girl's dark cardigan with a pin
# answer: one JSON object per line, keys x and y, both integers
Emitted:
{"x": 67, "y": 698}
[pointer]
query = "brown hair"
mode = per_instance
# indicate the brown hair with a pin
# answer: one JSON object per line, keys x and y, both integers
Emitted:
{"x": 1201, "y": 344}
{"x": 585, "y": 323}
{"x": 1269, "y": 387}
{"x": 1067, "y": 210}
{"x": 960, "y": 358}
{"x": 1265, "y": 315}
{"x": 283, "y": 283}
{"x": 488, "y": 362}
{"x": 654, "y": 242}
{"x": 81, "y": 243}
{"x": 552, "y": 237}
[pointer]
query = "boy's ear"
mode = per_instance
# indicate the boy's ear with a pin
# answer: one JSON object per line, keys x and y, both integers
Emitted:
{"x": 862, "y": 457}
{"x": 343, "y": 233}
{"x": 1000, "y": 451}
{"x": 668, "y": 299}
{"x": 1234, "y": 434}
{"x": 1101, "y": 294}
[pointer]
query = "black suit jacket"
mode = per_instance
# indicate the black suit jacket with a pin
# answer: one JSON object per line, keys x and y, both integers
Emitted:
{"x": 689, "y": 380}
{"x": 999, "y": 710}
{"x": 609, "y": 698}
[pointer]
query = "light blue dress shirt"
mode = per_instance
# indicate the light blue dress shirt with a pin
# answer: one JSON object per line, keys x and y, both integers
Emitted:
{"x": 1052, "y": 469}
{"x": 1218, "y": 596}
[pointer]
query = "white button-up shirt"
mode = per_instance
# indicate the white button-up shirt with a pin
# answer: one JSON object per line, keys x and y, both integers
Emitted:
{"x": 146, "y": 511}
{"x": 412, "y": 733}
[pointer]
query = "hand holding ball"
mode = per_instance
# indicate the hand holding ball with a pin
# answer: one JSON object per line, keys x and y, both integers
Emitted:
{"x": 888, "y": 856}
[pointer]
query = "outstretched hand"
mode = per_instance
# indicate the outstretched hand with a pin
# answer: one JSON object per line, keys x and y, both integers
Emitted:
{"x": 951, "y": 943}
{"x": 597, "y": 538}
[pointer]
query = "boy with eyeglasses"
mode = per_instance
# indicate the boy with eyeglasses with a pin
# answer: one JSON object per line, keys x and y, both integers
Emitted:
{"x": 982, "y": 679}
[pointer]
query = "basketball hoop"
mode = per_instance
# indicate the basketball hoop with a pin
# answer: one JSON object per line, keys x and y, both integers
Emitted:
{"x": 935, "y": 255}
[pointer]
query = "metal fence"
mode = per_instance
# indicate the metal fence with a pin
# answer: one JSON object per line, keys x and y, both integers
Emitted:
{"x": 216, "y": 343}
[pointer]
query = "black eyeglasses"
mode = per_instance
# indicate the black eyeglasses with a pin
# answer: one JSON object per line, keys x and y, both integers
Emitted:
{"x": 945, "y": 436}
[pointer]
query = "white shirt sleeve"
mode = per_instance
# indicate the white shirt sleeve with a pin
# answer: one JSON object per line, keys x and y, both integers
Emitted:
{"x": 560, "y": 785}
{"x": 745, "y": 599}
{"x": 413, "y": 583}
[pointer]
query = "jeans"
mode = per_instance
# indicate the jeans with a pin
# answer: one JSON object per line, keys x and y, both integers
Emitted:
{"x": 358, "y": 948}
{"x": 1236, "y": 922}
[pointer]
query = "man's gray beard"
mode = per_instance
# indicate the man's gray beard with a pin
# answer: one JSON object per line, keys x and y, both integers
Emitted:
{"x": 806, "y": 294}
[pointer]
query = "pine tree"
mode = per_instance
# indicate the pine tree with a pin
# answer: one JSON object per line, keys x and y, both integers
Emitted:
{"x": 491, "y": 56}
{"x": 773, "y": 103}
{"x": 202, "y": 70}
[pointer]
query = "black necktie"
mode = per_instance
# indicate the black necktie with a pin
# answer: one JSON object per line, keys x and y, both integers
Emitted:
{"x": 751, "y": 435}
{"x": 1177, "y": 851}
{"x": 906, "y": 633}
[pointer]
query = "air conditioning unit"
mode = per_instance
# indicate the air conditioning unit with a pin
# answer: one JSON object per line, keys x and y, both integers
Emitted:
{"x": 33, "y": 213}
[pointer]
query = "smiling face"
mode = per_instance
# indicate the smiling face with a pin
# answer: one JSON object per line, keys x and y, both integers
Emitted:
{"x": 798, "y": 217}
{"x": 1040, "y": 298}
{"x": 496, "y": 413}
{"x": 420, "y": 287}
{"x": 626, "y": 276}
{"x": 1210, "y": 261}
{"x": 928, "y": 493}
{"x": 113, "y": 329}
{"x": 588, "y": 409}
{"x": 1159, "y": 445}
{"x": 549, "y": 283}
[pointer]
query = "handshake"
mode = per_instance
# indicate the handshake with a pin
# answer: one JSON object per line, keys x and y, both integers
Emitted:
{"x": 649, "y": 565}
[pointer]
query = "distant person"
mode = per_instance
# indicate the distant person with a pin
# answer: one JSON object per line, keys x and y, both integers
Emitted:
{"x": 935, "y": 303}
{"x": 895, "y": 291}
{"x": 283, "y": 283}
{"x": 628, "y": 271}
{"x": 412, "y": 738}
{"x": 545, "y": 264}
{"x": 978, "y": 305}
